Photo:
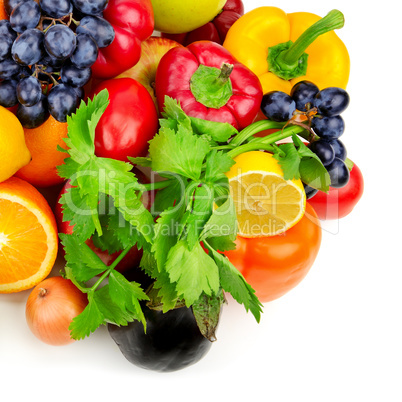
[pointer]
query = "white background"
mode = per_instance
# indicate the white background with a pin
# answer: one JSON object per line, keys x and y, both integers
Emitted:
{"x": 336, "y": 337}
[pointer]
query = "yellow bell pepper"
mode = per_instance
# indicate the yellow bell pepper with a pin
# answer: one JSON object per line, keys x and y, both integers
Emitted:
{"x": 283, "y": 49}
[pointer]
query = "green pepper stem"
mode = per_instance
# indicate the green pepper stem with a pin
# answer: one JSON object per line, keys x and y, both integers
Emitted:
{"x": 289, "y": 60}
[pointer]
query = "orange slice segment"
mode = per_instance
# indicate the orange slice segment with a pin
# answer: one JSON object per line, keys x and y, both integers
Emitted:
{"x": 28, "y": 236}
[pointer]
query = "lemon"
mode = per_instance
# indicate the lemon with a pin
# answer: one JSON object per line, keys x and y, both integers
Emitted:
{"x": 266, "y": 203}
{"x": 14, "y": 153}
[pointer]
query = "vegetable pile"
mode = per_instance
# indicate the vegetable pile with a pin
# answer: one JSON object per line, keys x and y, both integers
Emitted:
{"x": 163, "y": 170}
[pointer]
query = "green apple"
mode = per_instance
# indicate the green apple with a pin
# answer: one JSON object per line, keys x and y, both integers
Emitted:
{"x": 178, "y": 16}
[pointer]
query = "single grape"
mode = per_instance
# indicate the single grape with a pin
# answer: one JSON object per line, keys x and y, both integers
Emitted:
{"x": 278, "y": 106}
{"x": 9, "y": 5}
{"x": 74, "y": 76}
{"x": 100, "y": 29}
{"x": 86, "y": 51}
{"x": 328, "y": 127}
{"x": 303, "y": 93}
{"x": 339, "y": 148}
{"x": 33, "y": 116}
{"x": 8, "y": 93}
{"x": 8, "y": 69}
{"x": 80, "y": 93}
{"x": 339, "y": 173}
{"x": 29, "y": 91}
{"x": 324, "y": 151}
{"x": 28, "y": 47}
{"x": 62, "y": 101}
{"x": 7, "y": 38}
{"x": 310, "y": 191}
{"x": 25, "y": 15}
{"x": 331, "y": 101}
{"x": 90, "y": 7}
{"x": 60, "y": 41}
{"x": 50, "y": 61}
{"x": 56, "y": 8}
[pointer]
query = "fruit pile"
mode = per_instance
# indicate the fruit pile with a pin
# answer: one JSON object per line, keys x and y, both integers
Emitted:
{"x": 183, "y": 168}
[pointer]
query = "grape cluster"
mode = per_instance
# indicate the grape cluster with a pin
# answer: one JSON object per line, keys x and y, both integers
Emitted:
{"x": 323, "y": 110}
{"x": 47, "y": 48}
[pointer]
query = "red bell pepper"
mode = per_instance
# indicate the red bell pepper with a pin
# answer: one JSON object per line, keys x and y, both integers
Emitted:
{"x": 209, "y": 83}
{"x": 214, "y": 30}
{"x": 133, "y": 22}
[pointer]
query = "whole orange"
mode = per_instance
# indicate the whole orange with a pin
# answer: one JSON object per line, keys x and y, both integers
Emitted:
{"x": 3, "y": 14}
{"x": 42, "y": 142}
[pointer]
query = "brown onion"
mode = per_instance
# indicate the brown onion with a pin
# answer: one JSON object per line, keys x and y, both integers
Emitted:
{"x": 51, "y": 307}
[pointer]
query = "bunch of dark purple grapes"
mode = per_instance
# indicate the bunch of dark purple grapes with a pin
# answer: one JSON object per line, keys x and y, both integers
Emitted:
{"x": 324, "y": 108}
{"x": 47, "y": 48}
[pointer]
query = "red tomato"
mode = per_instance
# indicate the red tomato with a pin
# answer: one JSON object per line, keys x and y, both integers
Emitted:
{"x": 274, "y": 265}
{"x": 339, "y": 202}
{"x": 129, "y": 122}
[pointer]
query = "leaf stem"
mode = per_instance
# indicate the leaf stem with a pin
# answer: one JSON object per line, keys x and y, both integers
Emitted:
{"x": 254, "y": 128}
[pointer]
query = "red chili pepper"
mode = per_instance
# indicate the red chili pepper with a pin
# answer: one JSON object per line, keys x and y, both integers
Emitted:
{"x": 209, "y": 83}
{"x": 133, "y": 22}
{"x": 214, "y": 30}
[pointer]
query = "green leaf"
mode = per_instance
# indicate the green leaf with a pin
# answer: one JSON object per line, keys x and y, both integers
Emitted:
{"x": 207, "y": 311}
{"x": 222, "y": 223}
{"x": 140, "y": 161}
{"x": 166, "y": 234}
{"x": 173, "y": 195}
{"x": 289, "y": 159}
{"x": 217, "y": 164}
{"x": 201, "y": 210}
{"x": 219, "y": 132}
{"x": 82, "y": 124}
{"x": 193, "y": 271}
{"x": 173, "y": 112}
{"x": 312, "y": 171}
{"x": 127, "y": 295}
{"x": 82, "y": 260}
{"x": 182, "y": 153}
{"x": 88, "y": 321}
{"x": 232, "y": 281}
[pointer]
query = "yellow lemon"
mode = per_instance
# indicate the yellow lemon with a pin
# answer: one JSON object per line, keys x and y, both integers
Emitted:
{"x": 14, "y": 153}
{"x": 266, "y": 203}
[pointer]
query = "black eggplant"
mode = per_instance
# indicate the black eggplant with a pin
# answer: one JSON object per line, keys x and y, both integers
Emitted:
{"x": 172, "y": 341}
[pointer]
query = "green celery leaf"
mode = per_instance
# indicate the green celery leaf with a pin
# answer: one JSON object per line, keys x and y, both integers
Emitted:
{"x": 289, "y": 160}
{"x": 78, "y": 211}
{"x": 111, "y": 312}
{"x": 182, "y": 153}
{"x": 173, "y": 112}
{"x": 82, "y": 260}
{"x": 223, "y": 222}
{"x": 82, "y": 124}
{"x": 201, "y": 210}
{"x": 222, "y": 243}
{"x": 217, "y": 164}
{"x": 166, "y": 234}
{"x": 170, "y": 196}
{"x": 88, "y": 321}
{"x": 127, "y": 295}
{"x": 219, "y": 132}
{"x": 140, "y": 161}
{"x": 193, "y": 271}
{"x": 232, "y": 281}
{"x": 312, "y": 171}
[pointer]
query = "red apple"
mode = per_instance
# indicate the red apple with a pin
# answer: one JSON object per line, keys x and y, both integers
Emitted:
{"x": 152, "y": 50}
{"x": 133, "y": 257}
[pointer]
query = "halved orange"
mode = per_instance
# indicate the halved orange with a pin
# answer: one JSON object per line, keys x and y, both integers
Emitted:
{"x": 28, "y": 236}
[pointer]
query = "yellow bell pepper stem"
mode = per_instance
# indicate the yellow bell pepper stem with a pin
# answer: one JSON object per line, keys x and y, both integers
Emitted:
{"x": 288, "y": 60}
